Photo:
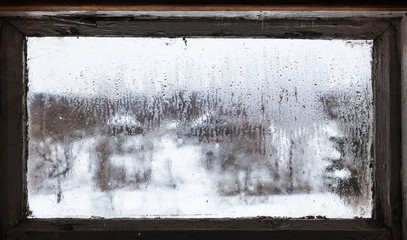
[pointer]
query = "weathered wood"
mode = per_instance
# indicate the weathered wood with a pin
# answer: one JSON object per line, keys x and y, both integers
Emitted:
{"x": 163, "y": 7}
{"x": 386, "y": 84}
{"x": 192, "y": 235}
{"x": 102, "y": 224}
{"x": 360, "y": 28}
{"x": 11, "y": 127}
{"x": 387, "y": 146}
{"x": 194, "y": 5}
{"x": 200, "y": 229}
{"x": 248, "y": 15}
{"x": 403, "y": 61}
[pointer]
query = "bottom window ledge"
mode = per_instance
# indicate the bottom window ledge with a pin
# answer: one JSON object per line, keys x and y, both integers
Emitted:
{"x": 256, "y": 228}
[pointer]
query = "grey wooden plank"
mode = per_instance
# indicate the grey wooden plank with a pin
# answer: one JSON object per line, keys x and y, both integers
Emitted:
{"x": 188, "y": 5}
{"x": 200, "y": 229}
{"x": 359, "y": 28}
{"x": 386, "y": 84}
{"x": 202, "y": 224}
{"x": 249, "y": 15}
{"x": 190, "y": 235}
{"x": 11, "y": 127}
{"x": 403, "y": 62}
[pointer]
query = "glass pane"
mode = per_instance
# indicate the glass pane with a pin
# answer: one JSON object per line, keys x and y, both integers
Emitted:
{"x": 199, "y": 127}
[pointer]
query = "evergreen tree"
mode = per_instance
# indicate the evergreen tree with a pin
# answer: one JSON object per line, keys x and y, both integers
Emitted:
{"x": 342, "y": 178}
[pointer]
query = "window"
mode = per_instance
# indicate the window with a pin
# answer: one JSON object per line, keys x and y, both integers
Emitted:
{"x": 221, "y": 127}
{"x": 385, "y": 78}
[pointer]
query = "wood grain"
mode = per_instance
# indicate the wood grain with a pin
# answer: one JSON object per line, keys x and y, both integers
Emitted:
{"x": 267, "y": 228}
{"x": 11, "y": 127}
{"x": 357, "y": 28}
{"x": 202, "y": 5}
{"x": 162, "y": 7}
{"x": 387, "y": 149}
{"x": 403, "y": 61}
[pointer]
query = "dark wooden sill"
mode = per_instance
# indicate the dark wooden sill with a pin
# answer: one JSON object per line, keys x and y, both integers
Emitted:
{"x": 256, "y": 228}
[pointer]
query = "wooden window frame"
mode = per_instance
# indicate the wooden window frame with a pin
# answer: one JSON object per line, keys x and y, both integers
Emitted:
{"x": 386, "y": 80}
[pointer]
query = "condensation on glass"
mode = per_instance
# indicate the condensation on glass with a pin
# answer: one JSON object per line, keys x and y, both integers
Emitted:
{"x": 199, "y": 127}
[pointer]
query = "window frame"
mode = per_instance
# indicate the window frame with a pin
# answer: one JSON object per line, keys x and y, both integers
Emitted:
{"x": 386, "y": 80}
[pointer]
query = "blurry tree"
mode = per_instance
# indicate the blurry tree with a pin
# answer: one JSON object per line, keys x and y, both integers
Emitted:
{"x": 341, "y": 176}
{"x": 349, "y": 175}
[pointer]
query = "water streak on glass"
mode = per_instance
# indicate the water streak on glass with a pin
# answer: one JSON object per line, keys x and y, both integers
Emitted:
{"x": 199, "y": 127}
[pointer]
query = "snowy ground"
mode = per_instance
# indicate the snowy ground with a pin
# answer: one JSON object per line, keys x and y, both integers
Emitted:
{"x": 86, "y": 202}
{"x": 194, "y": 195}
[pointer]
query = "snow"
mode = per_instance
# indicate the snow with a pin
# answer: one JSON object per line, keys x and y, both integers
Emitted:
{"x": 85, "y": 202}
{"x": 194, "y": 195}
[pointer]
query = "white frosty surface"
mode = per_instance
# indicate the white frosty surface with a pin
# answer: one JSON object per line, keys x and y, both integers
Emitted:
{"x": 194, "y": 196}
{"x": 272, "y": 85}
{"x": 171, "y": 204}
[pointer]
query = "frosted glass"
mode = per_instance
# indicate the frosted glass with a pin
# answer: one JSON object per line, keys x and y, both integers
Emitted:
{"x": 199, "y": 127}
